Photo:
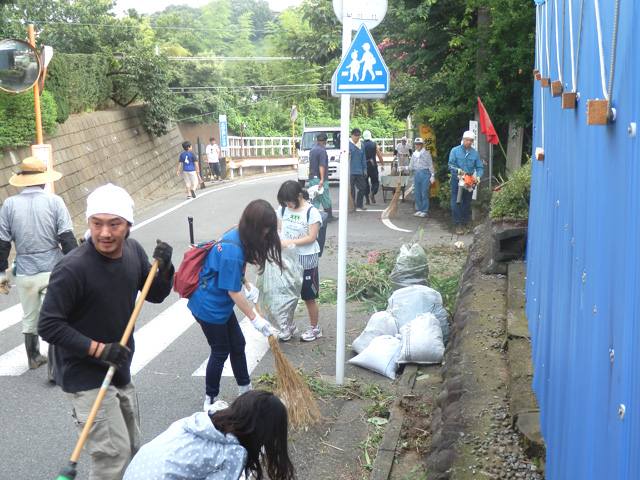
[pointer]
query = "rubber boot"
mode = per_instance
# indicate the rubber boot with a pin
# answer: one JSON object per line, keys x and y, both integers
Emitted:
{"x": 50, "y": 364}
{"x": 330, "y": 217}
{"x": 32, "y": 344}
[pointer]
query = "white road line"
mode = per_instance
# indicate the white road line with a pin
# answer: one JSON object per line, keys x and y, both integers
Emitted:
{"x": 10, "y": 316}
{"x": 257, "y": 345}
{"x": 388, "y": 223}
{"x": 159, "y": 333}
{"x": 14, "y": 362}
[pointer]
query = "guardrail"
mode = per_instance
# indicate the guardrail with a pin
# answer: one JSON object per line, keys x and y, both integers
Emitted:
{"x": 243, "y": 147}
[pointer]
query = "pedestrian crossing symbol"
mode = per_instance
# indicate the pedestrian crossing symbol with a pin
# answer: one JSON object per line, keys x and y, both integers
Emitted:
{"x": 362, "y": 70}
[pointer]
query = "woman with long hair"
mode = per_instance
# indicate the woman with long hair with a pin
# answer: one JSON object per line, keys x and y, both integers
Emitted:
{"x": 254, "y": 241}
{"x": 247, "y": 436}
{"x": 298, "y": 223}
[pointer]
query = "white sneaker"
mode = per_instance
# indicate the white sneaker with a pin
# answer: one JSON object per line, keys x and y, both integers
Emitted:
{"x": 417, "y": 214}
{"x": 422, "y": 215}
{"x": 244, "y": 388}
{"x": 208, "y": 401}
{"x": 311, "y": 334}
{"x": 286, "y": 333}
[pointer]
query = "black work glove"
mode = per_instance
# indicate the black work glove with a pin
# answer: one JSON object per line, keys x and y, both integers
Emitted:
{"x": 115, "y": 355}
{"x": 163, "y": 253}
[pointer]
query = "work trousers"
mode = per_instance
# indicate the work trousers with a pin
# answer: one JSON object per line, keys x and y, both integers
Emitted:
{"x": 322, "y": 198}
{"x": 31, "y": 290}
{"x": 358, "y": 181}
{"x": 225, "y": 340}
{"x": 422, "y": 189}
{"x": 372, "y": 173}
{"x": 114, "y": 437}
{"x": 461, "y": 212}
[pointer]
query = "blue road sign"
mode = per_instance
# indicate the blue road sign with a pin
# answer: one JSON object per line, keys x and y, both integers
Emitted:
{"x": 362, "y": 69}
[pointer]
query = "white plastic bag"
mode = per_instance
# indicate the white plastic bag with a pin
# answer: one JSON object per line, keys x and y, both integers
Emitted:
{"x": 407, "y": 303}
{"x": 280, "y": 290}
{"x": 422, "y": 340}
{"x": 411, "y": 268}
{"x": 381, "y": 356}
{"x": 380, "y": 323}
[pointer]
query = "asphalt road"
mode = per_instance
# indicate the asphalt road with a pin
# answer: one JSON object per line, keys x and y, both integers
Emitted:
{"x": 37, "y": 434}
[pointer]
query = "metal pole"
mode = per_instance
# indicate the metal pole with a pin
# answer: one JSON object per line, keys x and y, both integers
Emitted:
{"x": 345, "y": 101}
{"x": 490, "y": 164}
{"x": 36, "y": 92}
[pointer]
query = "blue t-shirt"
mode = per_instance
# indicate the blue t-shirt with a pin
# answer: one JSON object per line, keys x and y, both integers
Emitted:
{"x": 212, "y": 303}
{"x": 188, "y": 161}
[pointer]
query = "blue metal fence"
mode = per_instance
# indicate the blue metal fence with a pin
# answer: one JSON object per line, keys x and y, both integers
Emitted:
{"x": 583, "y": 299}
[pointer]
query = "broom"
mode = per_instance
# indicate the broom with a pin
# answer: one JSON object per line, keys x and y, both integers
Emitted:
{"x": 290, "y": 387}
{"x": 392, "y": 209}
{"x": 69, "y": 471}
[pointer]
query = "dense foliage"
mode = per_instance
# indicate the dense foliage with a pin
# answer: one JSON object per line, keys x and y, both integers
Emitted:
{"x": 18, "y": 107}
{"x": 512, "y": 198}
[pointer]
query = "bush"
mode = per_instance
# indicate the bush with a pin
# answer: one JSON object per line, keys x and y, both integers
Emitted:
{"x": 512, "y": 198}
{"x": 17, "y": 110}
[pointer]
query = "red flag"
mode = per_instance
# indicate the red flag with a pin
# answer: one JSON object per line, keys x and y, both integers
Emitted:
{"x": 486, "y": 127}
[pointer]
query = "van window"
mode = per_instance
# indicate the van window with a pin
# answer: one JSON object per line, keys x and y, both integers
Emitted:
{"x": 309, "y": 140}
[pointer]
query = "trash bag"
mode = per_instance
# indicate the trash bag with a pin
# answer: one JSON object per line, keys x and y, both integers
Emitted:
{"x": 422, "y": 340}
{"x": 380, "y": 356}
{"x": 380, "y": 323}
{"x": 280, "y": 290}
{"x": 411, "y": 268}
{"x": 407, "y": 303}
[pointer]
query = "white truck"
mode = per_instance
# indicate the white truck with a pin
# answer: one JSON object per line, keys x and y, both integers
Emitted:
{"x": 333, "y": 152}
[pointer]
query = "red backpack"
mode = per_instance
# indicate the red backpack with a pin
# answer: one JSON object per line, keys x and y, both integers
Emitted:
{"x": 187, "y": 278}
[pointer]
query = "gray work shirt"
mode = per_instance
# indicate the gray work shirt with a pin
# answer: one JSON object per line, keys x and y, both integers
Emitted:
{"x": 34, "y": 221}
{"x": 421, "y": 160}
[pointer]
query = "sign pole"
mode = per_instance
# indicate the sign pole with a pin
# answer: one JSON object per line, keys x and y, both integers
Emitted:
{"x": 36, "y": 92}
{"x": 345, "y": 103}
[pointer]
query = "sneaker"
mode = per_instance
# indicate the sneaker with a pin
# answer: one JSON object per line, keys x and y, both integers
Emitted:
{"x": 189, "y": 197}
{"x": 193, "y": 194}
{"x": 373, "y": 198}
{"x": 311, "y": 334}
{"x": 208, "y": 401}
{"x": 361, "y": 208}
{"x": 422, "y": 214}
{"x": 459, "y": 230}
{"x": 244, "y": 388}
{"x": 286, "y": 333}
{"x": 466, "y": 228}
{"x": 417, "y": 214}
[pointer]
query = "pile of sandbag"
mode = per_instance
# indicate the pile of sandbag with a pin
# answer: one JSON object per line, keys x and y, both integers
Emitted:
{"x": 413, "y": 329}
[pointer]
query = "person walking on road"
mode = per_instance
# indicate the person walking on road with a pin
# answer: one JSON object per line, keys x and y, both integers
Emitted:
{"x": 319, "y": 175}
{"x": 39, "y": 224}
{"x": 357, "y": 169}
{"x": 91, "y": 296}
{"x": 371, "y": 151}
{"x": 463, "y": 159}
{"x": 190, "y": 169}
{"x": 213, "y": 158}
{"x": 425, "y": 176}
{"x": 298, "y": 224}
{"x": 403, "y": 152}
{"x": 221, "y": 444}
{"x": 254, "y": 241}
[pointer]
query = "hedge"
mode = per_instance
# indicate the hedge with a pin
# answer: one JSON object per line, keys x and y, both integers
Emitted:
{"x": 18, "y": 114}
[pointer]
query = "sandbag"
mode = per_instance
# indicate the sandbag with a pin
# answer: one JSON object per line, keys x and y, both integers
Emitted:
{"x": 280, "y": 290}
{"x": 411, "y": 268}
{"x": 380, "y": 323}
{"x": 407, "y": 303}
{"x": 422, "y": 340}
{"x": 381, "y": 356}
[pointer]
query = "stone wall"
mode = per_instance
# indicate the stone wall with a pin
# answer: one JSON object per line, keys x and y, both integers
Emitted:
{"x": 110, "y": 146}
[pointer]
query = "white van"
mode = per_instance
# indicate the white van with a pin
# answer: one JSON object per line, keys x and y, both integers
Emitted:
{"x": 333, "y": 151}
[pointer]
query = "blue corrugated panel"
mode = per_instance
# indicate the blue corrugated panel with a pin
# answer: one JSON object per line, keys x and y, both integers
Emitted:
{"x": 583, "y": 299}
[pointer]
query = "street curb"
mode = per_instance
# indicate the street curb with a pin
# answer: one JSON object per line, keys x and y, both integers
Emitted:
{"x": 387, "y": 449}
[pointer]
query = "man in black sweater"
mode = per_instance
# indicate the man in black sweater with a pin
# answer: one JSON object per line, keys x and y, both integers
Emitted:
{"x": 90, "y": 298}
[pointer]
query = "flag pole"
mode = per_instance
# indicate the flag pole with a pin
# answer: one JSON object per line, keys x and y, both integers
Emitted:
{"x": 490, "y": 164}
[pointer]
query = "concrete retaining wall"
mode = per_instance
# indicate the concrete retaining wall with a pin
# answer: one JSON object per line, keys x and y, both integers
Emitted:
{"x": 111, "y": 146}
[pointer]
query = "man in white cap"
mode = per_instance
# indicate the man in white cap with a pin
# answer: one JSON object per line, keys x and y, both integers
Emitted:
{"x": 425, "y": 176}
{"x": 92, "y": 294}
{"x": 463, "y": 159}
{"x": 38, "y": 223}
{"x": 403, "y": 152}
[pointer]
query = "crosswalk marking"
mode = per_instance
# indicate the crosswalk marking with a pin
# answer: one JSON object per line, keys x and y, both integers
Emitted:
{"x": 14, "y": 362}
{"x": 159, "y": 333}
{"x": 257, "y": 345}
{"x": 10, "y": 317}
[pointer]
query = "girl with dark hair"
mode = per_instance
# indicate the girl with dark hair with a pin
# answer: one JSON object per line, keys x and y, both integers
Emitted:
{"x": 298, "y": 223}
{"x": 254, "y": 241}
{"x": 221, "y": 445}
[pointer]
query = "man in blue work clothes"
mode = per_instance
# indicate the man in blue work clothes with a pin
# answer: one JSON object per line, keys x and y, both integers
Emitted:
{"x": 319, "y": 174}
{"x": 357, "y": 168}
{"x": 463, "y": 159}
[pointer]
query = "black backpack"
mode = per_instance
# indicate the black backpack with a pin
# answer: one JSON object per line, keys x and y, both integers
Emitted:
{"x": 322, "y": 233}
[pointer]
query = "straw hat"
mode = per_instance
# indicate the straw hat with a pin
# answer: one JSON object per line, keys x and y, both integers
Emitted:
{"x": 34, "y": 172}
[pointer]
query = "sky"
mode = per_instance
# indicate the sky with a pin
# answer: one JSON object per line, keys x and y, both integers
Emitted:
{"x": 152, "y": 6}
